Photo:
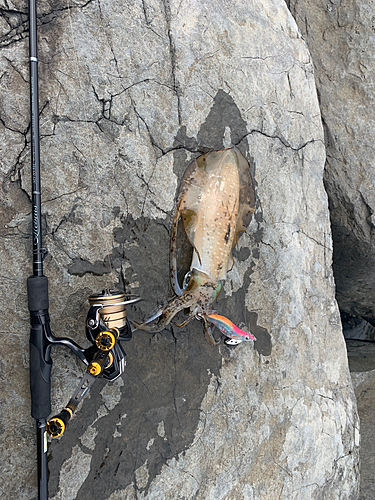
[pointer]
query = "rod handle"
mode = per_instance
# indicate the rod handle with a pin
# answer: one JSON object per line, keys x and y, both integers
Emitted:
{"x": 40, "y": 376}
{"x": 40, "y": 361}
{"x": 37, "y": 293}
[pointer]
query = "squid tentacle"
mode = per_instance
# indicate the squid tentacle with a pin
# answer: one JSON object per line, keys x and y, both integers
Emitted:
{"x": 208, "y": 332}
{"x": 173, "y": 255}
{"x": 166, "y": 314}
{"x": 184, "y": 323}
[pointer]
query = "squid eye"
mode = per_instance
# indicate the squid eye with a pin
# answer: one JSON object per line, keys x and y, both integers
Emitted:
{"x": 186, "y": 280}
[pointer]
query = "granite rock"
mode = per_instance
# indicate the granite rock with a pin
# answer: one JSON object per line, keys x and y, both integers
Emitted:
{"x": 130, "y": 92}
{"x": 340, "y": 37}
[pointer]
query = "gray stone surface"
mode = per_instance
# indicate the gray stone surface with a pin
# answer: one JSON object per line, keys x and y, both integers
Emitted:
{"x": 156, "y": 84}
{"x": 361, "y": 356}
{"x": 366, "y": 411}
{"x": 340, "y": 37}
{"x": 354, "y": 327}
{"x": 364, "y": 385}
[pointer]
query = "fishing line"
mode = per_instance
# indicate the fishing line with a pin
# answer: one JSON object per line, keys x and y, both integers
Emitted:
{"x": 89, "y": 135}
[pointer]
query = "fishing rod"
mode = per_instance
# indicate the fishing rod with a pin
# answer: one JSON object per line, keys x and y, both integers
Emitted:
{"x": 106, "y": 323}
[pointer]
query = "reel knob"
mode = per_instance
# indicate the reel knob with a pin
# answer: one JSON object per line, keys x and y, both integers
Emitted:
{"x": 94, "y": 369}
{"x": 106, "y": 340}
{"x": 56, "y": 425}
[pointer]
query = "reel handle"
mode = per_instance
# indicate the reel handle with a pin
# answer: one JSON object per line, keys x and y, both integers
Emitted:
{"x": 56, "y": 425}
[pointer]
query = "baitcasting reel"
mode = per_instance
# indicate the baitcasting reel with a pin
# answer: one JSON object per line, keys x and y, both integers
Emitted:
{"x": 106, "y": 325}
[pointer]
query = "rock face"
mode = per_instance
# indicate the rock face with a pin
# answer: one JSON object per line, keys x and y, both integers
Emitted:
{"x": 340, "y": 37}
{"x": 129, "y": 93}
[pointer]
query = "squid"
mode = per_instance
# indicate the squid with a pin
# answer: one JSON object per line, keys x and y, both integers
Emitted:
{"x": 215, "y": 202}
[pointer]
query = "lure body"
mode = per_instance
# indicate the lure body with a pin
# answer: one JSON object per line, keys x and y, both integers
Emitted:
{"x": 215, "y": 201}
{"x": 228, "y": 328}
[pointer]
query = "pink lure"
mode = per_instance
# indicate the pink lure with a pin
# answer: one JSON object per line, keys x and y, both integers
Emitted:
{"x": 228, "y": 328}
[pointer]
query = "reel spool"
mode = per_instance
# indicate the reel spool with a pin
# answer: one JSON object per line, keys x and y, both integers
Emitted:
{"x": 113, "y": 313}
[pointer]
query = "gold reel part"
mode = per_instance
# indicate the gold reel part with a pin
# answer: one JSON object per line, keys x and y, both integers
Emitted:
{"x": 55, "y": 427}
{"x": 106, "y": 340}
{"x": 95, "y": 368}
{"x": 113, "y": 313}
{"x": 109, "y": 360}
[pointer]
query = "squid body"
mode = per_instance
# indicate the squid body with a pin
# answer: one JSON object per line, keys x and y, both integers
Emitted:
{"x": 215, "y": 201}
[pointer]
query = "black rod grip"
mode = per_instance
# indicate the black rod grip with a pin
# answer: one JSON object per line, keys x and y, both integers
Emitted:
{"x": 40, "y": 361}
{"x": 40, "y": 374}
{"x": 37, "y": 291}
